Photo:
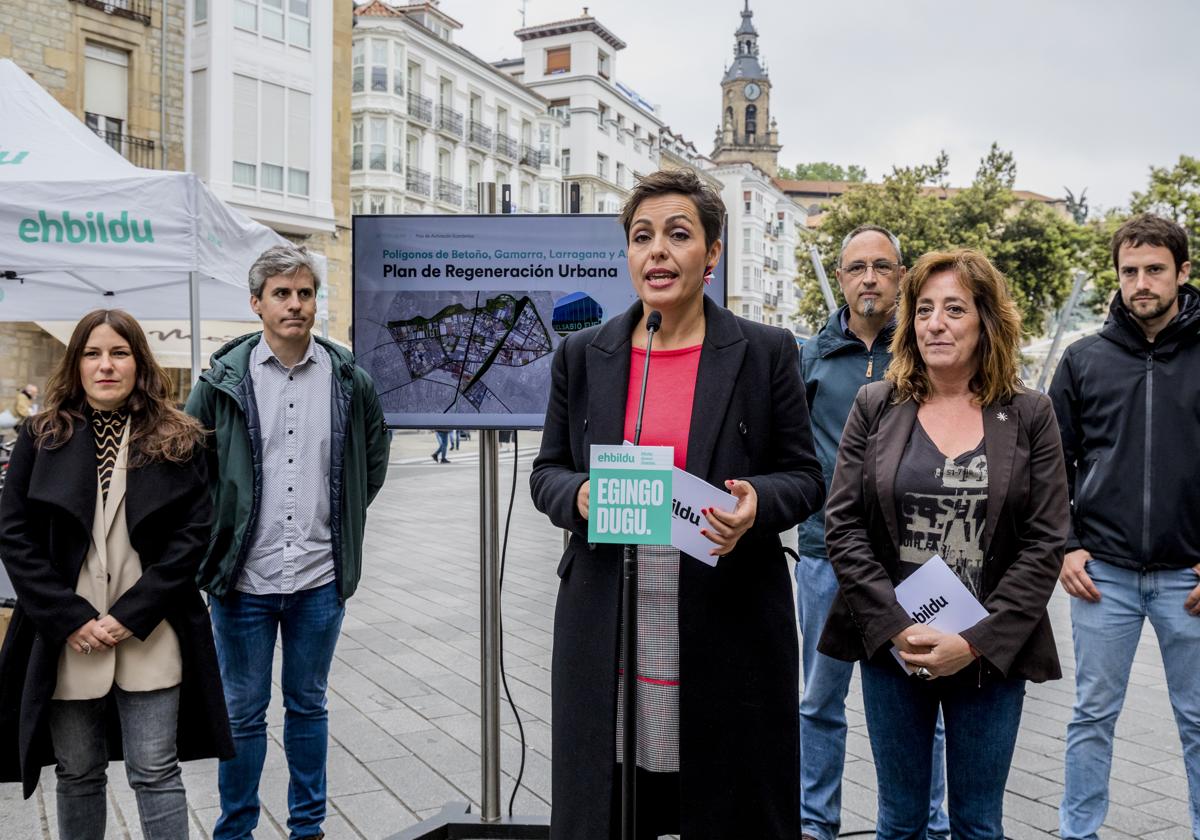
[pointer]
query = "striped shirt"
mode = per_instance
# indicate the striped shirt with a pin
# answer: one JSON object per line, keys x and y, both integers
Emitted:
{"x": 292, "y": 549}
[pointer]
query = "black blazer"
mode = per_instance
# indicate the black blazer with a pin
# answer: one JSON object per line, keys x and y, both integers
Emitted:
{"x": 739, "y": 746}
{"x": 46, "y": 514}
{"x": 1023, "y": 537}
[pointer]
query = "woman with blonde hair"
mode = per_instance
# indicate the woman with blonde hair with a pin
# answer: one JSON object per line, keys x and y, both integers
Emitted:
{"x": 103, "y": 523}
{"x": 948, "y": 456}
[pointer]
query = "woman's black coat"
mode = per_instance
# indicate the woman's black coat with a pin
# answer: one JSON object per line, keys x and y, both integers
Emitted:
{"x": 46, "y": 513}
{"x": 739, "y": 705}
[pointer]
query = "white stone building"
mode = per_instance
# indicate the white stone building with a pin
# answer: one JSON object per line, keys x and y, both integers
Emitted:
{"x": 431, "y": 120}
{"x": 260, "y": 94}
{"x": 761, "y": 246}
{"x": 611, "y": 133}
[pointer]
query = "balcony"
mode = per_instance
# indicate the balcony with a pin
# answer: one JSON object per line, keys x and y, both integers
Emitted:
{"x": 531, "y": 157}
{"x": 449, "y": 122}
{"x": 506, "y": 146}
{"x": 480, "y": 136}
{"x": 420, "y": 108}
{"x": 449, "y": 192}
{"x": 770, "y": 300}
{"x": 138, "y": 10}
{"x": 136, "y": 150}
{"x": 417, "y": 181}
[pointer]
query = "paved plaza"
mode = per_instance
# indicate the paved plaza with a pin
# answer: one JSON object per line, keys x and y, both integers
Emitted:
{"x": 404, "y": 691}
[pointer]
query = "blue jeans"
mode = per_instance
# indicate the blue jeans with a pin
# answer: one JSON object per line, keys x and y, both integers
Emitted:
{"x": 981, "y": 733}
{"x": 823, "y": 715}
{"x": 1106, "y": 635}
{"x": 245, "y": 628}
{"x": 149, "y": 726}
{"x": 443, "y": 439}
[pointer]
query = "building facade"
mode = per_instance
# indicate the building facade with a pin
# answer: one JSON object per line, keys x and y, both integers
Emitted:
{"x": 267, "y": 82}
{"x": 610, "y": 133}
{"x": 118, "y": 66}
{"x": 431, "y": 121}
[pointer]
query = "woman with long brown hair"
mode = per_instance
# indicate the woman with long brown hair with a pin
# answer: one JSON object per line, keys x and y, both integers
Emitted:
{"x": 949, "y": 456}
{"x": 103, "y": 523}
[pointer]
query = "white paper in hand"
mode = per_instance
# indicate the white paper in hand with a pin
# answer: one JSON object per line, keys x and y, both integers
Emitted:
{"x": 690, "y": 495}
{"x": 933, "y": 595}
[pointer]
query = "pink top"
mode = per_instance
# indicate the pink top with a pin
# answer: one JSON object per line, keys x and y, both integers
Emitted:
{"x": 670, "y": 388}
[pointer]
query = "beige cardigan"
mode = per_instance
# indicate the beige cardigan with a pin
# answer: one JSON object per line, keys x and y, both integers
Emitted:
{"x": 111, "y": 568}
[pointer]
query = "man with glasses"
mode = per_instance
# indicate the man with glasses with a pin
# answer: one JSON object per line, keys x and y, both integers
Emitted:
{"x": 851, "y": 350}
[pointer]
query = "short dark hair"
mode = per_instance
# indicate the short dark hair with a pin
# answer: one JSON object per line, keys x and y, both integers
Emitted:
{"x": 1149, "y": 229}
{"x": 682, "y": 182}
{"x": 861, "y": 229}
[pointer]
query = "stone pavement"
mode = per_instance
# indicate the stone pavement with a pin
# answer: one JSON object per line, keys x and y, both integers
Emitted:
{"x": 404, "y": 692}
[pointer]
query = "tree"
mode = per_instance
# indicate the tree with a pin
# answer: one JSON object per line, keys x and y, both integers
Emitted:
{"x": 824, "y": 171}
{"x": 1036, "y": 248}
{"x": 1175, "y": 194}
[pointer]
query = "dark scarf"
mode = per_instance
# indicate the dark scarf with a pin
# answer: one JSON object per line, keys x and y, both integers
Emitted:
{"x": 107, "y": 429}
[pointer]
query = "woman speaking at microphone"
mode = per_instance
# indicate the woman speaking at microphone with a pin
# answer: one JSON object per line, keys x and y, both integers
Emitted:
{"x": 717, "y": 700}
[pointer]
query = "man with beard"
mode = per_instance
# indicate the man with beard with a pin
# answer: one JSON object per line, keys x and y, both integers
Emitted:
{"x": 1128, "y": 401}
{"x": 849, "y": 351}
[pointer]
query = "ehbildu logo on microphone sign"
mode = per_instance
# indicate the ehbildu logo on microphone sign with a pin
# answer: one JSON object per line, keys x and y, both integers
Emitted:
{"x": 630, "y": 494}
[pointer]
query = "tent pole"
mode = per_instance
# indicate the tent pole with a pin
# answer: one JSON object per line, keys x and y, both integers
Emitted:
{"x": 194, "y": 318}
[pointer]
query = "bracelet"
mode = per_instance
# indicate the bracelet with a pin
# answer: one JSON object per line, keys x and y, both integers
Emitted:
{"x": 974, "y": 652}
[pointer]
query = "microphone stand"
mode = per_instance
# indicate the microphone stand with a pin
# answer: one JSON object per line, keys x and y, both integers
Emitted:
{"x": 629, "y": 597}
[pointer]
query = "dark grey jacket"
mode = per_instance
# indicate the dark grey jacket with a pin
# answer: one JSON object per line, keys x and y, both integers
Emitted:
{"x": 834, "y": 366}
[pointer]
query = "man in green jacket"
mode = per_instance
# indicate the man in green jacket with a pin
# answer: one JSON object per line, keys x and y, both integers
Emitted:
{"x": 298, "y": 452}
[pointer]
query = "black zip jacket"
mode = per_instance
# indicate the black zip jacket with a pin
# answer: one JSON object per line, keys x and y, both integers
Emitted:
{"x": 1129, "y": 414}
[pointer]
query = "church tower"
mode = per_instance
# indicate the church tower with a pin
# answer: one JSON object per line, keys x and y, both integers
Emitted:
{"x": 747, "y": 131}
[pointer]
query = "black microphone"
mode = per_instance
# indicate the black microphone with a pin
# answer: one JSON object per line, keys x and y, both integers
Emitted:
{"x": 653, "y": 323}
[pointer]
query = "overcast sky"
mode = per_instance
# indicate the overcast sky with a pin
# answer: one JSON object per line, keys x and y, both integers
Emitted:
{"x": 1086, "y": 93}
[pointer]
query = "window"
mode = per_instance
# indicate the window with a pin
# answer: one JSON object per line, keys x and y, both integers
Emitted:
{"x": 106, "y": 91}
{"x": 358, "y": 69}
{"x": 270, "y": 18}
{"x": 751, "y": 120}
{"x": 476, "y": 107}
{"x": 558, "y": 60}
{"x": 378, "y": 204}
{"x": 746, "y": 245}
{"x": 356, "y": 205}
{"x": 414, "y": 77}
{"x": 245, "y": 15}
{"x": 412, "y": 152}
{"x": 299, "y": 29}
{"x": 561, "y": 108}
{"x": 526, "y": 197}
{"x": 566, "y": 161}
{"x": 444, "y": 165}
{"x": 543, "y": 198}
{"x": 602, "y": 165}
{"x": 379, "y": 65}
{"x": 603, "y": 119}
{"x": 620, "y": 174}
{"x": 245, "y": 131}
{"x": 397, "y": 69}
{"x": 620, "y": 128}
{"x": 745, "y": 310}
{"x": 502, "y": 120}
{"x": 378, "y": 156}
{"x": 356, "y": 144}
{"x": 272, "y": 138}
{"x": 398, "y": 147}
{"x": 199, "y": 11}
{"x": 602, "y": 65}
{"x": 746, "y": 199}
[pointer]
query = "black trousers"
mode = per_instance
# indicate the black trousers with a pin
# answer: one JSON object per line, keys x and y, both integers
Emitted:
{"x": 658, "y": 804}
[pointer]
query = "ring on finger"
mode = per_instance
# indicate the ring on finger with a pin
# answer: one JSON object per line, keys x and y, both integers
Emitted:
{"x": 87, "y": 648}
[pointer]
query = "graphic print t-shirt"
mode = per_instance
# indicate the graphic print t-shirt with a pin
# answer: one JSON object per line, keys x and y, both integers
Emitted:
{"x": 941, "y": 505}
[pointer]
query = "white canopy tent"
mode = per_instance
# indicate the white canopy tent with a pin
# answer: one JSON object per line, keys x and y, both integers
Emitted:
{"x": 82, "y": 228}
